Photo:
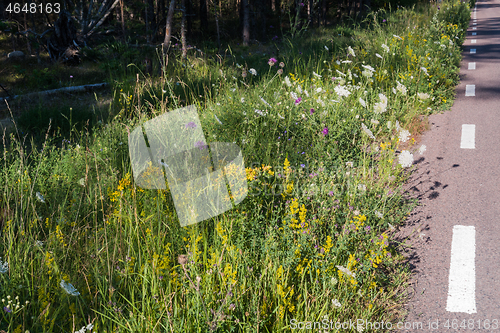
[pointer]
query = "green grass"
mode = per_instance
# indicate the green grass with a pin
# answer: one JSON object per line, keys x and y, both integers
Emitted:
{"x": 313, "y": 240}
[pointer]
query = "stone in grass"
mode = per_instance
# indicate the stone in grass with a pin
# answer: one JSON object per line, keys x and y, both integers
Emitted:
{"x": 16, "y": 55}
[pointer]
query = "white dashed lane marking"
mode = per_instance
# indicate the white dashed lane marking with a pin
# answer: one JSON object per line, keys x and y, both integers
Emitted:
{"x": 462, "y": 280}
{"x": 468, "y": 140}
{"x": 470, "y": 90}
{"x": 472, "y": 65}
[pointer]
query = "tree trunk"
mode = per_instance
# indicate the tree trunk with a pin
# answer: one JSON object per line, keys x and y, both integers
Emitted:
{"x": 168, "y": 28}
{"x": 123, "y": 21}
{"x": 246, "y": 22}
{"x": 189, "y": 14}
{"x": 62, "y": 44}
{"x": 203, "y": 15}
{"x": 152, "y": 20}
{"x": 310, "y": 10}
{"x": 183, "y": 28}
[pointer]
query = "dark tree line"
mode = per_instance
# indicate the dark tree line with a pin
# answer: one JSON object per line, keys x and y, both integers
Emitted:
{"x": 174, "y": 21}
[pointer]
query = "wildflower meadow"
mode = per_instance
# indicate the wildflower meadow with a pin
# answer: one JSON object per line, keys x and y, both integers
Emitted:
{"x": 327, "y": 125}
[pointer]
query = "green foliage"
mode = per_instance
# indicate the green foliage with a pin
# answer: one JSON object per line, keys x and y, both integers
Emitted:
{"x": 322, "y": 130}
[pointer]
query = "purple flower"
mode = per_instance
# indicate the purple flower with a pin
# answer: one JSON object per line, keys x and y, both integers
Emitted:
{"x": 200, "y": 144}
{"x": 303, "y": 165}
{"x": 161, "y": 277}
{"x": 330, "y": 193}
{"x": 71, "y": 76}
{"x": 6, "y": 309}
{"x": 325, "y": 131}
{"x": 301, "y": 4}
{"x": 367, "y": 228}
{"x": 272, "y": 61}
{"x": 275, "y": 37}
{"x": 311, "y": 112}
{"x": 384, "y": 20}
{"x": 271, "y": 26}
{"x": 298, "y": 100}
{"x": 191, "y": 124}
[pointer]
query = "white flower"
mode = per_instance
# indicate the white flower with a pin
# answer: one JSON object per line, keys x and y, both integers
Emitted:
{"x": 336, "y": 303}
{"x": 253, "y": 71}
{"x": 68, "y": 287}
{"x": 218, "y": 120}
{"x": 379, "y": 214}
{"x": 90, "y": 326}
{"x": 367, "y": 131}
{"x": 370, "y": 68}
{"x": 341, "y": 74}
{"x": 349, "y": 164}
{"x": 395, "y": 36}
{"x": 360, "y": 328}
{"x": 398, "y": 128}
{"x": 379, "y": 56}
{"x": 367, "y": 73}
{"x": 293, "y": 95}
{"x": 39, "y": 243}
{"x": 287, "y": 81}
{"x": 383, "y": 98}
{"x": 346, "y": 271}
{"x": 362, "y": 102}
{"x": 394, "y": 91}
{"x": 40, "y": 197}
{"x": 403, "y": 135}
{"x": 316, "y": 74}
{"x": 346, "y": 61}
{"x": 4, "y": 266}
{"x": 319, "y": 90}
{"x": 320, "y": 102}
{"x": 379, "y": 108}
{"x": 264, "y": 101}
{"x": 81, "y": 181}
{"x": 351, "y": 51}
{"x": 401, "y": 88}
{"x": 385, "y": 47}
{"x": 326, "y": 48}
{"x": 362, "y": 187}
{"x": 262, "y": 113}
{"x": 337, "y": 62}
{"x": 242, "y": 100}
{"x": 389, "y": 124}
{"x": 406, "y": 159}
{"x": 423, "y": 96}
{"x": 374, "y": 121}
{"x": 422, "y": 149}
{"x": 424, "y": 70}
{"x": 305, "y": 92}
{"x": 342, "y": 91}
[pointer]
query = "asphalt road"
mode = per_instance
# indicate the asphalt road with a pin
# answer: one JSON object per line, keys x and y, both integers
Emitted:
{"x": 455, "y": 238}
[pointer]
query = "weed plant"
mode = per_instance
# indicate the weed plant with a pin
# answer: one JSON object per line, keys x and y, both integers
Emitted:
{"x": 326, "y": 132}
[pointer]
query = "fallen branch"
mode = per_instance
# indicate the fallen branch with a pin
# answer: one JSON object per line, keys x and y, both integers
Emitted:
{"x": 84, "y": 88}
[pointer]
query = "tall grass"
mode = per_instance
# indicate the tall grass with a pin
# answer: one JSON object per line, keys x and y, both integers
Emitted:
{"x": 327, "y": 144}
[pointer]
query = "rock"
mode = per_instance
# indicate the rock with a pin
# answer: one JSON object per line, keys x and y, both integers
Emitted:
{"x": 16, "y": 54}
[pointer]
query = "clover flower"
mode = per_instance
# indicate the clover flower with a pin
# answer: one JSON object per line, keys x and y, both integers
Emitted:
{"x": 325, "y": 131}
{"x": 282, "y": 64}
{"x": 401, "y": 88}
{"x": 253, "y": 71}
{"x": 272, "y": 61}
{"x": 298, "y": 101}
